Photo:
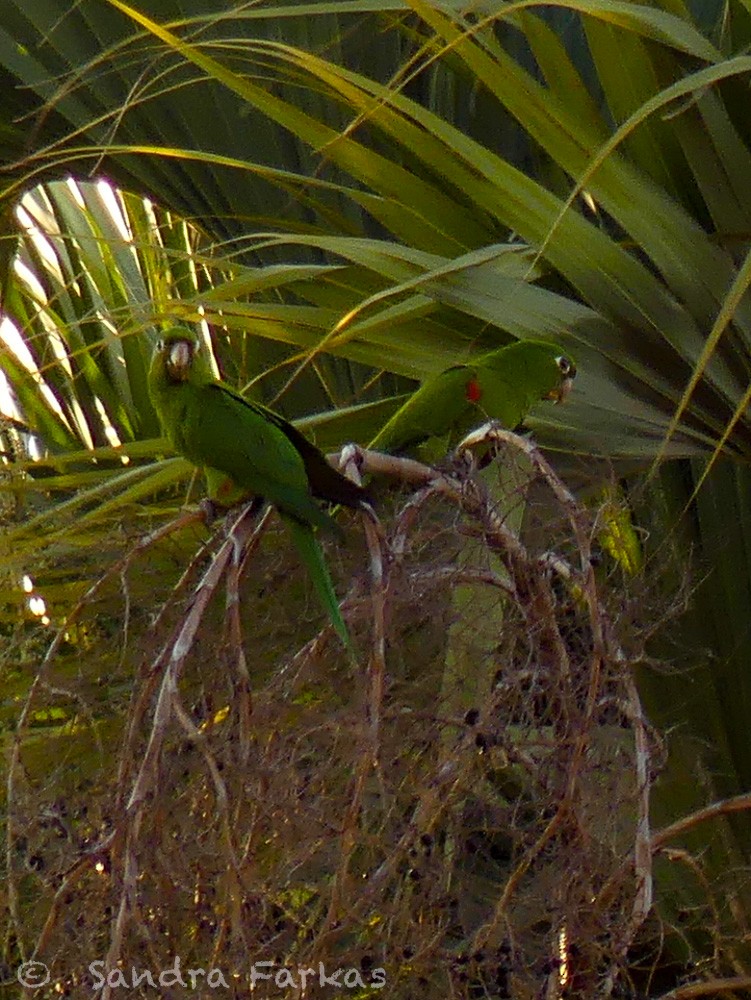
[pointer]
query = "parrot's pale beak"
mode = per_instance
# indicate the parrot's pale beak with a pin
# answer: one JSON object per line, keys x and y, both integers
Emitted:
{"x": 179, "y": 360}
{"x": 561, "y": 391}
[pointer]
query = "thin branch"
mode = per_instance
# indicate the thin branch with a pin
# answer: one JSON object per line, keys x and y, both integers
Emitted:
{"x": 710, "y": 988}
{"x": 739, "y": 803}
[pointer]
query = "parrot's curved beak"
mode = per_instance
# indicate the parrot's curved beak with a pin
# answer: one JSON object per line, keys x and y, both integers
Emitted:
{"x": 561, "y": 391}
{"x": 179, "y": 360}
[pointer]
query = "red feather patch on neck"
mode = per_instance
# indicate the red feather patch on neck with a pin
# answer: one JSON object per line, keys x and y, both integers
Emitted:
{"x": 473, "y": 391}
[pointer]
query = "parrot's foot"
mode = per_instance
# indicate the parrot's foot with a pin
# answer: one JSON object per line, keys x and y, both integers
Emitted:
{"x": 489, "y": 440}
{"x": 210, "y": 511}
{"x": 369, "y": 510}
{"x": 350, "y": 460}
{"x": 464, "y": 462}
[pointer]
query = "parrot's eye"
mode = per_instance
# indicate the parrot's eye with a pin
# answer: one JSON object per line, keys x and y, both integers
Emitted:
{"x": 160, "y": 345}
{"x": 566, "y": 367}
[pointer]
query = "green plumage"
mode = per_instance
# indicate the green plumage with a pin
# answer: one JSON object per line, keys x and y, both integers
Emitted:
{"x": 248, "y": 450}
{"x": 503, "y": 385}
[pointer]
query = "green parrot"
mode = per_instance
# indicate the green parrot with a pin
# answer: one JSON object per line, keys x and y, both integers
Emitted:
{"x": 248, "y": 450}
{"x": 502, "y": 385}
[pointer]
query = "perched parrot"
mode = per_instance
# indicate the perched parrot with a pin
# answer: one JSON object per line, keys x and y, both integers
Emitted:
{"x": 247, "y": 450}
{"x": 502, "y": 385}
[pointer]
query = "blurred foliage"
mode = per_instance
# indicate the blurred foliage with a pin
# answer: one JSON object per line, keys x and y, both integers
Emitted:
{"x": 267, "y": 803}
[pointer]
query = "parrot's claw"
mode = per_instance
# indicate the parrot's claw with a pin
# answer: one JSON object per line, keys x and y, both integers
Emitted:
{"x": 351, "y": 455}
{"x": 369, "y": 510}
{"x": 209, "y": 510}
{"x": 464, "y": 461}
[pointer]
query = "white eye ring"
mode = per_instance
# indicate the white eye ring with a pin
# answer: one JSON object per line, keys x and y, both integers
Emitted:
{"x": 565, "y": 366}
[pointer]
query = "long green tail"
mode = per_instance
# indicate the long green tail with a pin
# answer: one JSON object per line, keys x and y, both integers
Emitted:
{"x": 312, "y": 555}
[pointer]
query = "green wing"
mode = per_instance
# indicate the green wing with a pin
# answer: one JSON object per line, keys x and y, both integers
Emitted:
{"x": 220, "y": 431}
{"x": 240, "y": 441}
{"x": 324, "y": 481}
{"x": 435, "y": 409}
